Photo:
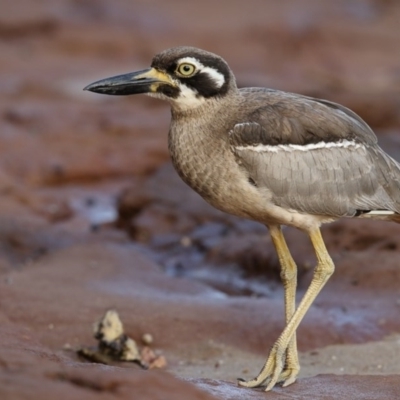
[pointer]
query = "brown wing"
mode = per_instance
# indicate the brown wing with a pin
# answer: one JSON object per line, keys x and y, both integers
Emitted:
{"x": 293, "y": 119}
{"x": 323, "y": 160}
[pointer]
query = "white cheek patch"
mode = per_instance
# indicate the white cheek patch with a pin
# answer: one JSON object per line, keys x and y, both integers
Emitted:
{"x": 261, "y": 148}
{"x": 215, "y": 75}
{"x": 188, "y": 98}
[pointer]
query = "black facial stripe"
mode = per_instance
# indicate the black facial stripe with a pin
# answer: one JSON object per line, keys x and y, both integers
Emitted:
{"x": 204, "y": 85}
{"x": 168, "y": 90}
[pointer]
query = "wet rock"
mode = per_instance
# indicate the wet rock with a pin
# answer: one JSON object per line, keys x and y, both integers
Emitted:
{"x": 321, "y": 387}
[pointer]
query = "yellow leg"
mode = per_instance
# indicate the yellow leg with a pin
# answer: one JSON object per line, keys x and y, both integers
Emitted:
{"x": 273, "y": 370}
{"x": 289, "y": 280}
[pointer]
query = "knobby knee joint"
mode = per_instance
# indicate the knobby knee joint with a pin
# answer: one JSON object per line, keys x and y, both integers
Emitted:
{"x": 324, "y": 269}
{"x": 288, "y": 275}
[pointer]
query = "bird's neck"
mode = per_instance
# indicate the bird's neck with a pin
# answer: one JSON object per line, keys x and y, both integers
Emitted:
{"x": 204, "y": 108}
{"x": 199, "y": 146}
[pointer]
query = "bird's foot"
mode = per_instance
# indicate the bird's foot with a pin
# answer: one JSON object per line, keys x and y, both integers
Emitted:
{"x": 276, "y": 370}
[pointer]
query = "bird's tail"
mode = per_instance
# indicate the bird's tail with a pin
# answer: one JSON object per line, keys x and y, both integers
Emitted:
{"x": 385, "y": 215}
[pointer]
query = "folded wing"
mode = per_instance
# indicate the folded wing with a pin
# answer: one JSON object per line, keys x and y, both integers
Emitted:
{"x": 330, "y": 165}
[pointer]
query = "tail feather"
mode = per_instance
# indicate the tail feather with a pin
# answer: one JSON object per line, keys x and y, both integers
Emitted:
{"x": 379, "y": 214}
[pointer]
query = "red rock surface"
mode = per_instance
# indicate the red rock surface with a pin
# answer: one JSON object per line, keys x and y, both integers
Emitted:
{"x": 203, "y": 284}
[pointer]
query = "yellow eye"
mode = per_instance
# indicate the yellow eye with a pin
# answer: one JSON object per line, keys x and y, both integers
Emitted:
{"x": 186, "y": 69}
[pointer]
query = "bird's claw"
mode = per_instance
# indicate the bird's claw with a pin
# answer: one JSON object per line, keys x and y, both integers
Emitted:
{"x": 274, "y": 371}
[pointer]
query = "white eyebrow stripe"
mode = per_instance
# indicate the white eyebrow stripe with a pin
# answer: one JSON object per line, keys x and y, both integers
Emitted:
{"x": 216, "y": 76}
{"x": 261, "y": 148}
{"x": 191, "y": 60}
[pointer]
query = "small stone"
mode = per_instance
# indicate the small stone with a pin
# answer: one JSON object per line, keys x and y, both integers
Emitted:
{"x": 147, "y": 339}
{"x": 109, "y": 328}
{"x": 130, "y": 351}
{"x": 186, "y": 241}
{"x": 147, "y": 355}
{"x": 158, "y": 362}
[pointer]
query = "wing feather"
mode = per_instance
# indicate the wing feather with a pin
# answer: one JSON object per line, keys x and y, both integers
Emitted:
{"x": 335, "y": 181}
{"x": 291, "y": 118}
{"x": 313, "y": 155}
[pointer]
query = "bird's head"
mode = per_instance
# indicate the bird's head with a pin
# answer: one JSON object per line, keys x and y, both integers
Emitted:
{"x": 185, "y": 76}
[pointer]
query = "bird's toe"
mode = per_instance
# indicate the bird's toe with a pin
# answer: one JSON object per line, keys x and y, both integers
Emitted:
{"x": 272, "y": 372}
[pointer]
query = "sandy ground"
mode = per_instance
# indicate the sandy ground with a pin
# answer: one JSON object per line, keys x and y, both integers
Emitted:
{"x": 93, "y": 217}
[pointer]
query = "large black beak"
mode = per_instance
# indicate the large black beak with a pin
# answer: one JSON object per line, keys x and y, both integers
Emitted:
{"x": 145, "y": 81}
